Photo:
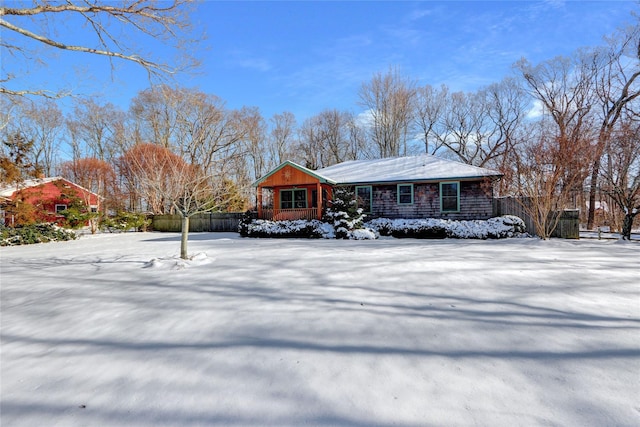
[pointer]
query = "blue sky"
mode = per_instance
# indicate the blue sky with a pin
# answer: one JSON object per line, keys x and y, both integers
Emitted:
{"x": 307, "y": 56}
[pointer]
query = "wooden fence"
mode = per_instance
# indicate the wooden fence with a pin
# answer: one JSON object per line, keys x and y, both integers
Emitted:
{"x": 568, "y": 226}
{"x": 511, "y": 206}
{"x": 200, "y": 222}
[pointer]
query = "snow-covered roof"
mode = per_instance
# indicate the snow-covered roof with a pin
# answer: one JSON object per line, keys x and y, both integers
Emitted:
{"x": 8, "y": 190}
{"x": 402, "y": 169}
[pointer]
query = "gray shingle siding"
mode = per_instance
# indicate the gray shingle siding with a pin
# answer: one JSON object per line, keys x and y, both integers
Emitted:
{"x": 475, "y": 202}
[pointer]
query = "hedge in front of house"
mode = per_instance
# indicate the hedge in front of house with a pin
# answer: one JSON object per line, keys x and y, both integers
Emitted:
{"x": 300, "y": 228}
{"x": 36, "y": 233}
{"x": 433, "y": 228}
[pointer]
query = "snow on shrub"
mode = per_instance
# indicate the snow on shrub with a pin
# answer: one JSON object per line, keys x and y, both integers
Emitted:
{"x": 345, "y": 214}
{"x": 432, "y": 228}
{"x": 313, "y": 229}
{"x": 494, "y": 228}
{"x": 363, "y": 234}
{"x": 296, "y": 228}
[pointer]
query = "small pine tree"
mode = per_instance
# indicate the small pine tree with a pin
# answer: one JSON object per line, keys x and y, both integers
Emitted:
{"x": 15, "y": 160}
{"x": 344, "y": 212}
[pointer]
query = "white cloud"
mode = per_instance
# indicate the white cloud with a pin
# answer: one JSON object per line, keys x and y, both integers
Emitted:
{"x": 536, "y": 111}
{"x": 259, "y": 64}
{"x": 246, "y": 60}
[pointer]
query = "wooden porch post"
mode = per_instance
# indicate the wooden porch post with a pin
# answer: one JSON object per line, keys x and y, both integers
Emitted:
{"x": 259, "y": 197}
{"x": 319, "y": 200}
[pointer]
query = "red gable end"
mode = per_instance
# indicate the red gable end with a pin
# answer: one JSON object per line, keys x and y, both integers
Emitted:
{"x": 48, "y": 197}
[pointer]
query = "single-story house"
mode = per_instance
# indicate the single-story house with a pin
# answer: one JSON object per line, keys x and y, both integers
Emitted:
{"x": 47, "y": 196}
{"x": 422, "y": 186}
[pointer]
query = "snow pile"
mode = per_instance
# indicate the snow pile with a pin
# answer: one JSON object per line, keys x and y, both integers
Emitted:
{"x": 432, "y": 228}
{"x": 177, "y": 263}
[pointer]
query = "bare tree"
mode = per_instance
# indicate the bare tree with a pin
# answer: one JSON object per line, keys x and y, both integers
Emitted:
{"x": 147, "y": 169}
{"x": 97, "y": 176}
{"x": 431, "y": 105}
{"x": 506, "y": 108}
{"x": 547, "y": 171}
{"x": 96, "y": 130}
{"x": 247, "y": 160}
{"x": 155, "y": 115}
{"x": 43, "y": 122}
{"x": 7, "y": 111}
{"x": 621, "y": 175}
{"x": 37, "y": 24}
{"x": 281, "y": 138}
{"x": 357, "y": 140}
{"x": 564, "y": 86}
{"x": 195, "y": 125}
{"x": 477, "y": 128}
{"x": 328, "y": 138}
{"x": 255, "y": 142}
{"x": 309, "y": 151}
{"x": 617, "y": 85}
{"x": 173, "y": 185}
{"x": 466, "y": 130}
{"x": 389, "y": 99}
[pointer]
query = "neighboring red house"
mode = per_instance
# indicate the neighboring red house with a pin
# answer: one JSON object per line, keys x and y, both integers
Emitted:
{"x": 400, "y": 187}
{"x": 48, "y": 196}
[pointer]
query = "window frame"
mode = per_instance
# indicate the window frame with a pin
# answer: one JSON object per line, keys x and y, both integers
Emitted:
{"x": 398, "y": 195}
{"x": 370, "y": 188}
{"x": 457, "y": 184}
{"x": 293, "y": 198}
{"x": 57, "y": 205}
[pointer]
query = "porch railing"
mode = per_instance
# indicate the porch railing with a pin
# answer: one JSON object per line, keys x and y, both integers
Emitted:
{"x": 289, "y": 214}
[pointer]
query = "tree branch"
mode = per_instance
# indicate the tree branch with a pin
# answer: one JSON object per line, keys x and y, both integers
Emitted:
{"x": 134, "y": 58}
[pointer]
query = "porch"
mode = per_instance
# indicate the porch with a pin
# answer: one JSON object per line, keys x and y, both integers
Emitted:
{"x": 272, "y": 214}
{"x": 292, "y": 192}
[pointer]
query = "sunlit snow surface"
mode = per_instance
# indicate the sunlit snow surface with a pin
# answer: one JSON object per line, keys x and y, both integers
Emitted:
{"x": 116, "y": 330}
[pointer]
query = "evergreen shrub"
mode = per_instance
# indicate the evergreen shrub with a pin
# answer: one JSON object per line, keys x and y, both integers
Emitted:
{"x": 35, "y": 233}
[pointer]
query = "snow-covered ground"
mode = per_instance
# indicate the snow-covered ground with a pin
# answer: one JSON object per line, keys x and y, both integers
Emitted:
{"x": 114, "y": 330}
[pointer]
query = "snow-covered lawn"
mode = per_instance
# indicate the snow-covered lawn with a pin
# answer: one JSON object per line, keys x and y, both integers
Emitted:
{"x": 113, "y": 330}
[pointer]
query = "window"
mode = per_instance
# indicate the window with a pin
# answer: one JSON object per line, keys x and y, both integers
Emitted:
{"x": 405, "y": 194}
{"x": 290, "y": 199}
{"x": 449, "y": 196}
{"x": 364, "y": 199}
{"x": 60, "y": 208}
{"x": 94, "y": 208}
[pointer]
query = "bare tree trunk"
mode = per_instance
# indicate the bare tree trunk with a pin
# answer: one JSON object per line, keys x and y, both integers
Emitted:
{"x": 185, "y": 237}
{"x": 591, "y": 212}
{"x": 627, "y": 225}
